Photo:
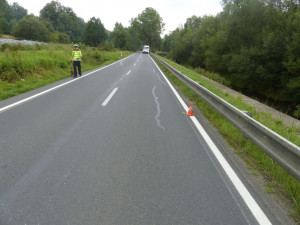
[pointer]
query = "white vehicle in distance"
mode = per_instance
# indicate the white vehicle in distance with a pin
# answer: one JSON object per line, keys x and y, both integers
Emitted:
{"x": 146, "y": 49}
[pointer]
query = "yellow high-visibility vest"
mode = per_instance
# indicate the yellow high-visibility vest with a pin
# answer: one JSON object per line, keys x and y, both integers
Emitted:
{"x": 76, "y": 55}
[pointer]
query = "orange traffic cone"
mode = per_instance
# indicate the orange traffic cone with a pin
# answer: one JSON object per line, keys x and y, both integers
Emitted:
{"x": 190, "y": 112}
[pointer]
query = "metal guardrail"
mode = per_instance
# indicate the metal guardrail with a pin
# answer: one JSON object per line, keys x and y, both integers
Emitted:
{"x": 278, "y": 148}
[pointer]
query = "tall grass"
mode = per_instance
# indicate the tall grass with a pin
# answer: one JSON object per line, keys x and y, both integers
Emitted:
{"x": 25, "y": 67}
{"x": 212, "y": 76}
{"x": 278, "y": 181}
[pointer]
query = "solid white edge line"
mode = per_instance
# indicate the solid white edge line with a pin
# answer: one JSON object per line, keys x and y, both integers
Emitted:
{"x": 109, "y": 97}
{"x": 257, "y": 212}
{"x": 51, "y": 89}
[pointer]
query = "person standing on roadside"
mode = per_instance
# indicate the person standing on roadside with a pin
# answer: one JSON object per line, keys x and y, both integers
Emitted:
{"x": 76, "y": 58}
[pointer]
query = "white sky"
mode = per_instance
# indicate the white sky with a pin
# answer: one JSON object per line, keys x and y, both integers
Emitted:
{"x": 173, "y": 12}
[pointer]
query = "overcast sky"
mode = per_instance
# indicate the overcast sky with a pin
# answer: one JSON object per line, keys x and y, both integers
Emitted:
{"x": 173, "y": 12}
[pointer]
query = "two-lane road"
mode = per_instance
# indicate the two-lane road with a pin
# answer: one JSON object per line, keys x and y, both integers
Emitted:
{"x": 112, "y": 147}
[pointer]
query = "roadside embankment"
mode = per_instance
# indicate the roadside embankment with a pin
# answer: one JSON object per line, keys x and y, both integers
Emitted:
{"x": 26, "y": 67}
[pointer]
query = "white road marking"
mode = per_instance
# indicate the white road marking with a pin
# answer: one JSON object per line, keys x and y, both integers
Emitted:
{"x": 124, "y": 76}
{"x": 109, "y": 97}
{"x": 56, "y": 87}
{"x": 257, "y": 212}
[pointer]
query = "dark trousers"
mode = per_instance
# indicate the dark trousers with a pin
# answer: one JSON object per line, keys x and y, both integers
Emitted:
{"x": 75, "y": 65}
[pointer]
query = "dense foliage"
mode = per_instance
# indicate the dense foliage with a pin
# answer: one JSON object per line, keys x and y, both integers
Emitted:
{"x": 253, "y": 43}
{"x": 145, "y": 29}
{"x": 60, "y": 24}
{"x": 95, "y": 32}
{"x": 32, "y": 28}
{"x": 64, "y": 20}
{"x": 9, "y": 15}
{"x": 120, "y": 36}
{"x": 148, "y": 27}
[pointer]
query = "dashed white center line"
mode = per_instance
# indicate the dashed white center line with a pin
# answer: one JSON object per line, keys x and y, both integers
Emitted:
{"x": 128, "y": 72}
{"x": 109, "y": 97}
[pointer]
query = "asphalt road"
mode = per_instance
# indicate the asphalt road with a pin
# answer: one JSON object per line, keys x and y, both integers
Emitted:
{"x": 112, "y": 147}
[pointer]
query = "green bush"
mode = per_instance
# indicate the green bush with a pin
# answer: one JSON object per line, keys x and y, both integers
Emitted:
{"x": 297, "y": 112}
{"x": 32, "y": 28}
{"x": 9, "y": 76}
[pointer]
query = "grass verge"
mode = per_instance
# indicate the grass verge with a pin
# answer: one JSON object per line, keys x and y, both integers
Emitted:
{"x": 24, "y": 68}
{"x": 278, "y": 181}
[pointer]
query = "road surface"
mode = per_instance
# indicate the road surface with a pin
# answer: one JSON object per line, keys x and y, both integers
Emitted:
{"x": 114, "y": 147}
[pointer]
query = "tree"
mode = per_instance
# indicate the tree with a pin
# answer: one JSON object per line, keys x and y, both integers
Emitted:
{"x": 9, "y": 15}
{"x": 149, "y": 26}
{"x": 95, "y": 32}
{"x": 193, "y": 22}
{"x": 51, "y": 12}
{"x": 19, "y": 11}
{"x": 6, "y": 15}
{"x": 64, "y": 20}
{"x": 253, "y": 43}
{"x": 292, "y": 59}
{"x": 32, "y": 28}
{"x": 166, "y": 45}
{"x": 59, "y": 37}
{"x": 207, "y": 45}
{"x": 181, "y": 47}
{"x": 134, "y": 43}
{"x": 5, "y": 26}
{"x": 119, "y": 36}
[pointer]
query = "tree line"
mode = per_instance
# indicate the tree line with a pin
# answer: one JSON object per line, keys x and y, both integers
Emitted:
{"x": 56, "y": 23}
{"x": 145, "y": 29}
{"x": 59, "y": 24}
{"x": 255, "y": 44}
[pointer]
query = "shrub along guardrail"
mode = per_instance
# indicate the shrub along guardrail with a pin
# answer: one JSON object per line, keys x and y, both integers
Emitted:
{"x": 278, "y": 148}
